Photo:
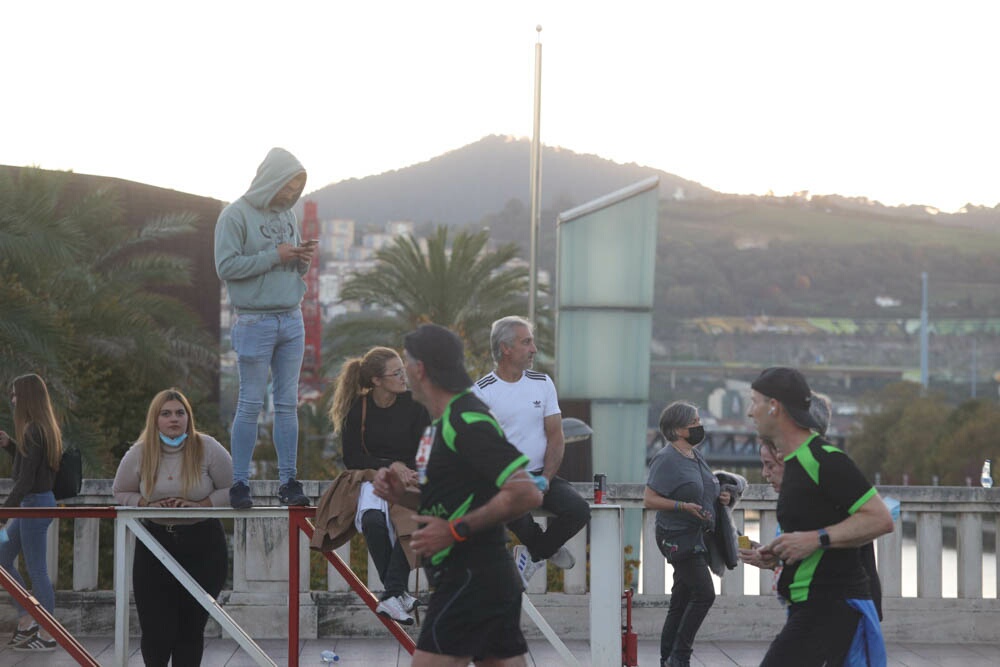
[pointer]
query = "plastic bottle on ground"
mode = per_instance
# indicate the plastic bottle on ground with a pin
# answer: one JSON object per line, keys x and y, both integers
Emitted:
{"x": 329, "y": 657}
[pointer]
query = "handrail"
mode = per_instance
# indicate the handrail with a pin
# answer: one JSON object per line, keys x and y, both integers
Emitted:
{"x": 29, "y": 602}
{"x": 299, "y": 519}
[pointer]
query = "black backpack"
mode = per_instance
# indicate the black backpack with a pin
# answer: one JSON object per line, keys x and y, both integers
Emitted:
{"x": 69, "y": 478}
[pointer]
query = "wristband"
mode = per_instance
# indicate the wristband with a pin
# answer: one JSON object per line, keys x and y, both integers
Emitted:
{"x": 460, "y": 535}
{"x": 677, "y": 505}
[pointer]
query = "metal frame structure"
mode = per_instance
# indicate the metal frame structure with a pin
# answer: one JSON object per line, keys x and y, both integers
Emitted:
{"x": 28, "y": 601}
{"x": 299, "y": 520}
{"x": 605, "y": 580}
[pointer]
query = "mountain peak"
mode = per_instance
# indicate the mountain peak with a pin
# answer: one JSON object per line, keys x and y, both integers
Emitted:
{"x": 463, "y": 185}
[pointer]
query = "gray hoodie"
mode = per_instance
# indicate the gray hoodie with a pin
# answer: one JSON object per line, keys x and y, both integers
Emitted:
{"x": 247, "y": 237}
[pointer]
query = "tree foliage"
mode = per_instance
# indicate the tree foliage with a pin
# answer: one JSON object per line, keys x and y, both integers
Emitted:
{"x": 462, "y": 285}
{"x": 81, "y": 292}
{"x": 922, "y": 437}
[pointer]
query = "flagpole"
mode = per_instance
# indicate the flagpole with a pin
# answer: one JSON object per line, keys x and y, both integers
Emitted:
{"x": 536, "y": 182}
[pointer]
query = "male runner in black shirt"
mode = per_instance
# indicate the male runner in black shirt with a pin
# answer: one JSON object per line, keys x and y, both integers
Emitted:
{"x": 472, "y": 481}
{"x": 826, "y": 510}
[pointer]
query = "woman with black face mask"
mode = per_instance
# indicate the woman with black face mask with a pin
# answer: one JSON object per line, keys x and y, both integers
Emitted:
{"x": 683, "y": 490}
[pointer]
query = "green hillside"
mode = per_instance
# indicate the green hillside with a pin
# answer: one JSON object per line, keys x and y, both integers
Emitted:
{"x": 750, "y": 220}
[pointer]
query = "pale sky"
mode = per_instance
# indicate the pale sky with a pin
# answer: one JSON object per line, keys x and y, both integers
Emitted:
{"x": 895, "y": 101}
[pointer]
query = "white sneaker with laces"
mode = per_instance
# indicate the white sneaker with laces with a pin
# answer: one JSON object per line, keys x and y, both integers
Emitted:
{"x": 563, "y": 559}
{"x": 408, "y": 601}
{"x": 393, "y": 608}
{"x": 526, "y": 566}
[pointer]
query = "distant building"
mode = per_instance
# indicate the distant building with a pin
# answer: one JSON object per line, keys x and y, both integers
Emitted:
{"x": 399, "y": 228}
{"x": 336, "y": 238}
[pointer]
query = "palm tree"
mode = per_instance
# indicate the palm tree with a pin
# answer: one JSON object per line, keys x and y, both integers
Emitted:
{"x": 81, "y": 303}
{"x": 463, "y": 286}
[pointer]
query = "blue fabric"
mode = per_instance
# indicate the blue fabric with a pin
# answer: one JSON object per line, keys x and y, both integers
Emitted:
{"x": 267, "y": 343}
{"x": 868, "y": 647}
{"x": 30, "y": 536}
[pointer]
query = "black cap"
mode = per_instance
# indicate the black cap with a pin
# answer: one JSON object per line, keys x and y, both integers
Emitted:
{"x": 442, "y": 354}
{"x": 789, "y": 387}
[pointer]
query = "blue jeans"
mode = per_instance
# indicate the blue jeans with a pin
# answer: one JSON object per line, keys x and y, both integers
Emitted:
{"x": 29, "y": 536}
{"x": 267, "y": 343}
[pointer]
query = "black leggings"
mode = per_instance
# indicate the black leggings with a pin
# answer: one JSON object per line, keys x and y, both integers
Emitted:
{"x": 172, "y": 622}
{"x": 690, "y": 600}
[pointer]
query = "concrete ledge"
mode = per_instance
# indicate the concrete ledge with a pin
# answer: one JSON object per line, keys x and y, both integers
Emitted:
{"x": 751, "y": 618}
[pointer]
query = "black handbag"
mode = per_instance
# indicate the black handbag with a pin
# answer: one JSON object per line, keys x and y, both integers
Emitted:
{"x": 69, "y": 478}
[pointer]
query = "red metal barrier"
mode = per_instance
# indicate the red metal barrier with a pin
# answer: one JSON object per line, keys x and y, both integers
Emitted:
{"x": 28, "y": 601}
{"x": 299, "y": 519}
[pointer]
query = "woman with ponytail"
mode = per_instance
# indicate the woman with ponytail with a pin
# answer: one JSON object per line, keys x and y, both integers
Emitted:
{"x": 37, "y": 450}
{"x": 380, "y": 426}
{"x": 174, "y": 465}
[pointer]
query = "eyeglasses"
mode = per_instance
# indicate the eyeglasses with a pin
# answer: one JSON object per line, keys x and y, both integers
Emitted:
{"x": 395, "y": 374}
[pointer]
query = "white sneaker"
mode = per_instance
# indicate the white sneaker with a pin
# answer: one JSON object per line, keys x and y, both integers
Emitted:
{"x": 409, "y": 602}
{"x": 526, "y": 566}
{"x": 563, "y": 559}
{"x": 393, "y": 608}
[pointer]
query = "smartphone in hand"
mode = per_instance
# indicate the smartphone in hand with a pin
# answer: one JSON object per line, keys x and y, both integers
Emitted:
{"x": 309, "y": 243}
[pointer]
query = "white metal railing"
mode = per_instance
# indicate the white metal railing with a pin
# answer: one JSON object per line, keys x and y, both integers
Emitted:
{"x": 260, "y": 546}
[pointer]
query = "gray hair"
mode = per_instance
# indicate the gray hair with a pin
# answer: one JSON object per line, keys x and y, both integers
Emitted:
{"x": 820, "y": 410}
{"x": 503, "y": 332}
{"x": 676, "y": 416}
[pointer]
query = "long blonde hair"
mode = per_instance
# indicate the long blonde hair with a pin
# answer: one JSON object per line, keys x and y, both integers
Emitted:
{"x": 149, "y": 440}
{"x": 355, "y": 380}
{"x": 34, "y": 408}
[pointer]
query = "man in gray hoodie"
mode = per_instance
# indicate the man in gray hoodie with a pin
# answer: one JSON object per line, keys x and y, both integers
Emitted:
{"x": 260, "y": 254}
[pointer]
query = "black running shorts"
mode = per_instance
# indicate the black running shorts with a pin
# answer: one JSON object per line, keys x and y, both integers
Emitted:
{"x": 475, "y": 611}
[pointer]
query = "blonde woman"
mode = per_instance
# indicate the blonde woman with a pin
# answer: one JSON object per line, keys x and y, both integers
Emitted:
{"x": 37, "y": 450}
{"x": 173, "y": 465}
{"x": 379, "y": 424}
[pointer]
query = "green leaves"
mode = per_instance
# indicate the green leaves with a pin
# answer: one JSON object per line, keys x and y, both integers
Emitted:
{"x": 82, "y": 304}
{"x": 462, "y": 284}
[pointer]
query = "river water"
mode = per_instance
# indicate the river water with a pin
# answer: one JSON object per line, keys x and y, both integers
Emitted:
{"x": 949, "y": 570}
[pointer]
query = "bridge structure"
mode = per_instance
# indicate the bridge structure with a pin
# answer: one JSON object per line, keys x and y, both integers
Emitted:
{"x": 934, "y": 593}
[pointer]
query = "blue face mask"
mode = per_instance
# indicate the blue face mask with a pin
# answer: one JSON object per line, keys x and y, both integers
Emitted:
{"x": 173, "y": 442}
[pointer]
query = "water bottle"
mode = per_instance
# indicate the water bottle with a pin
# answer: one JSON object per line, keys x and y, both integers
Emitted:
{"x": 4, "y": 537}
{"x": 329, "y": 657}
{"x": 986, "y": 480}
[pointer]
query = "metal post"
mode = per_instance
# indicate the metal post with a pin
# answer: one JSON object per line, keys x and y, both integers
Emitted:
{"x": 924, "y": 372}
{"x": 975, "y": 369}
{"x": 121, "y": 594}
{"x": 605, "y": 584}
{"x": 536, "y": 182}
{"x": 293, "y": 585}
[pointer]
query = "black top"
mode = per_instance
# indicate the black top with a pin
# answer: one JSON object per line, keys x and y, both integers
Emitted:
{"x": 31, "y": 473}
{"x": 822, "y": 486}
{"x": 391, "y": 434}
{"x": 470, "y": 459}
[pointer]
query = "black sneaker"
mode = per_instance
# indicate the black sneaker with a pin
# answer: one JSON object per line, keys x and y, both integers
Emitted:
{"x": 290, "y": 493}
{"x": 21, "y": 636}
{"x": 239, "y": 496}
{"x": 36, "y": 645}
